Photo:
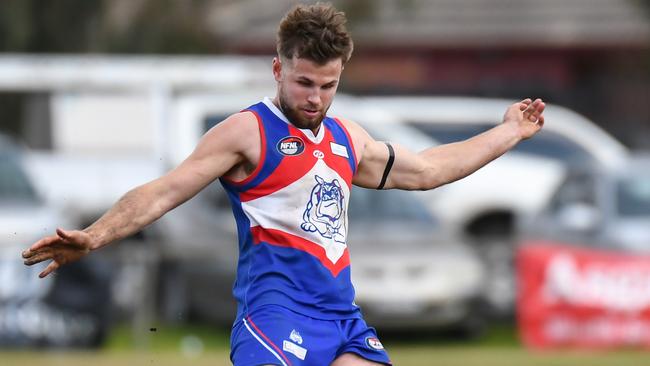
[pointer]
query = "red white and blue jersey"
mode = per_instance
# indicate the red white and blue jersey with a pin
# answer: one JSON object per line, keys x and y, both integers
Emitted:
{"x": 291, "y": 215}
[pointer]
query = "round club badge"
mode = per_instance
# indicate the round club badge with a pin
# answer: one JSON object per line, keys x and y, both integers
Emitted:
{"x": 374, "y": 343}
{"x": 291, "y": 146}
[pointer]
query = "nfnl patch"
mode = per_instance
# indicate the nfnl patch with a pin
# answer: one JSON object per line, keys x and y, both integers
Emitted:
{"x": 374, "y": 343}
{"x": 291, "y": 145}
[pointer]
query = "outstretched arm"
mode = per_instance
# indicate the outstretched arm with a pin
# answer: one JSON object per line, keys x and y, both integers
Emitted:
{"x": 224, "y": 147}
{"x": 444, "y": 164}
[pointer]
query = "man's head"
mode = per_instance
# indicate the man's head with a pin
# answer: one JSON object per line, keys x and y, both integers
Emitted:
{"x": 316, "y": 33}
{"x": 313, "y": 45}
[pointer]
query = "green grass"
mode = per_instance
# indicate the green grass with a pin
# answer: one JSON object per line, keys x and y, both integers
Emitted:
{"x": 206, "y": 346}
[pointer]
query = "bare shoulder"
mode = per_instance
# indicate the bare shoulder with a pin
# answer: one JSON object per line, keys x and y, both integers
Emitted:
{"x": 236, "y": 134}
{"x": 372, "y": 155}
{"x": 352, "y": 127}
{"x": 236, "y": 129}
{"x": 358, "y": 134}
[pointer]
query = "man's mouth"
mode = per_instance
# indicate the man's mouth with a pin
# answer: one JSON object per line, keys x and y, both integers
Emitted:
{"x": 311, "y": 113}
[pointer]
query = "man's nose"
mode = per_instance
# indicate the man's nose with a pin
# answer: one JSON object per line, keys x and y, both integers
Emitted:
{"x": 314, "y": 97}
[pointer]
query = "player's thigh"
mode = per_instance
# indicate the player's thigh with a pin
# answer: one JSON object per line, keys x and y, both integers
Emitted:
{"x": 350, "y": 359}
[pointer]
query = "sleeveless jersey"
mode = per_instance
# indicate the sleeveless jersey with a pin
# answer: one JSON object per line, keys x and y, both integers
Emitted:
{"x": 291, "y": 215}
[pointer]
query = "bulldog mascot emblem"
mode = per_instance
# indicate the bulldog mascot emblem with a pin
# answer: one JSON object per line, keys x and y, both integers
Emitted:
{"x": 325, "y": 213}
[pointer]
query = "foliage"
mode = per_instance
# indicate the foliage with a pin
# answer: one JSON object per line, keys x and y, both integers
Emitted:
{"x": 104, "y": 26}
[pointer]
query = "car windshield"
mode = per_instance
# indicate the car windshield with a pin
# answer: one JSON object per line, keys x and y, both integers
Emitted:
{"x": 14, "y": 185}
{"x": 394, "y": 205}
{"x": 633, "y": 195}
{"x": 547, "y": 144}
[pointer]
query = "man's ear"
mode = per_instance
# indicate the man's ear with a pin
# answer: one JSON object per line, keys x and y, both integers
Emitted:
{"x": 277, "y": 68}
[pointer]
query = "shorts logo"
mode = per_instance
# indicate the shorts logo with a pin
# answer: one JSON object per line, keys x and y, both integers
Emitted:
{"x": 374, "y": 343}
{"x": 294, "y": 349}
{"x": 295, "y": 336}
{"x": 291, "y": 146}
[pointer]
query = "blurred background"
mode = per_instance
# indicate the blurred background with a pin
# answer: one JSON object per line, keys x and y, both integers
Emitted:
{"x": 544, "y": 249}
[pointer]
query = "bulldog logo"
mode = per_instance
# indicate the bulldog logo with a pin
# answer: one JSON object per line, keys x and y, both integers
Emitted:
{"x": 325, "y": 212}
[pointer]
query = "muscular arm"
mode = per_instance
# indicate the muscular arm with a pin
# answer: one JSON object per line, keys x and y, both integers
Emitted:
{"x": 224, "y": 150}
{"x": 443, "y": 164}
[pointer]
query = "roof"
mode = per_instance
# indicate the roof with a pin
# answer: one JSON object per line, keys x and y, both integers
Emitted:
{"x": 29, "y": 72}
{"x": 454, "y": 23}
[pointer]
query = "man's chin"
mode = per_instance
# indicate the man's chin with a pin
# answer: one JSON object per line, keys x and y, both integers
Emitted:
{"x": 307, "y": 124}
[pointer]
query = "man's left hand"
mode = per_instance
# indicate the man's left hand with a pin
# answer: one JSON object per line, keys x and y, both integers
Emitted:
{"x": 527, "y": 116}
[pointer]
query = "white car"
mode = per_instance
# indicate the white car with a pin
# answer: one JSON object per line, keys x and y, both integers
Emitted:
{"x": 598, "y": 208}
{"x": 486, "y": 206}
{"x": 42, "y": 312}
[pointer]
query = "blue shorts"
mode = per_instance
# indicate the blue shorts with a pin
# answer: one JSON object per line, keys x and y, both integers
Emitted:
{"x": 274, "y": 335}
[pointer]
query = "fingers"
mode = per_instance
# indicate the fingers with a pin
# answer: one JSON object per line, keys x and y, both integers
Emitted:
{"x": 47, "y": 241}
{"x": 40, "y": 245}
{"x": 53, "y": 266}
{"x": 63, "y": 234}
{"x": 62, "y": 248}
{"x": 534, "y": 110}
{"x": 38, "y": 256}
{"x": 62, "y": 237}
{"x": 38, "y": 250}
{"x": 524, "y": 104}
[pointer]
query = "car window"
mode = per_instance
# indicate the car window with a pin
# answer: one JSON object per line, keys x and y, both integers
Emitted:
{"x": 633, "y": 196}
{"x": 547, "y": 144}
{"x": 578, "y": 188}
{"x": 396, "y": 205}
{"x": 14, "y": 184}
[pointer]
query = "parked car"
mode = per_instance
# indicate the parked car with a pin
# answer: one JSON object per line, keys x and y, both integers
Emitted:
{"x": 407, "y": 271}
{"x": 43, "y": 312}
{"x": 485, "y": 206}
{"x": 599, "y": 207}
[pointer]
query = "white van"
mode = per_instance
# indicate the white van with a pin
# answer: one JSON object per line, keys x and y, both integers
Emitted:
{"x": 486, "y": 206}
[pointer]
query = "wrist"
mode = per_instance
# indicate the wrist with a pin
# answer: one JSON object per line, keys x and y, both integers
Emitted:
{"x": 512, "y": 132}
{"x": 94, "y": 241}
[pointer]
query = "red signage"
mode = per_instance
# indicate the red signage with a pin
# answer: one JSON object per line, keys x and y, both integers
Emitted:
{"x": 576, "y": 297}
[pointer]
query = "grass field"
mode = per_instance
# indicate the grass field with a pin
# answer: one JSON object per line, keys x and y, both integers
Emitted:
{"x": 200, "y": 346}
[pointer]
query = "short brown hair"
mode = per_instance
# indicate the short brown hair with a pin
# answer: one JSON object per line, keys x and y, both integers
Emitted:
{"x": 314, "y": 32}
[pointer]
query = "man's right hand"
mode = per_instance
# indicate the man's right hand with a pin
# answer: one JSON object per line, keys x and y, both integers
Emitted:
{"x": 62, "y": 248}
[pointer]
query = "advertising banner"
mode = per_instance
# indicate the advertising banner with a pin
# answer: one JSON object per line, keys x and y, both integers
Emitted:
{"x": 577, "y": 297}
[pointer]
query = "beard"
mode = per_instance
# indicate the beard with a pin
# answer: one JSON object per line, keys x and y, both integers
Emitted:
{"x": 297, "y": 118}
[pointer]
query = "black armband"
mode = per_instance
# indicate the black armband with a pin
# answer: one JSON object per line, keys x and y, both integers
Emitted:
{"x": 389, "y": 165}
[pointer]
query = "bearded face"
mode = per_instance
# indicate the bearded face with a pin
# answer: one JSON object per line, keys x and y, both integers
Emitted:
{"x": 306, "y": 90}
{"x": 307, "y": 116}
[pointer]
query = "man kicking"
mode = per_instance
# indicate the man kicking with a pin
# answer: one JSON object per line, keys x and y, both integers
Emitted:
{"x": 288, "y": 169}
